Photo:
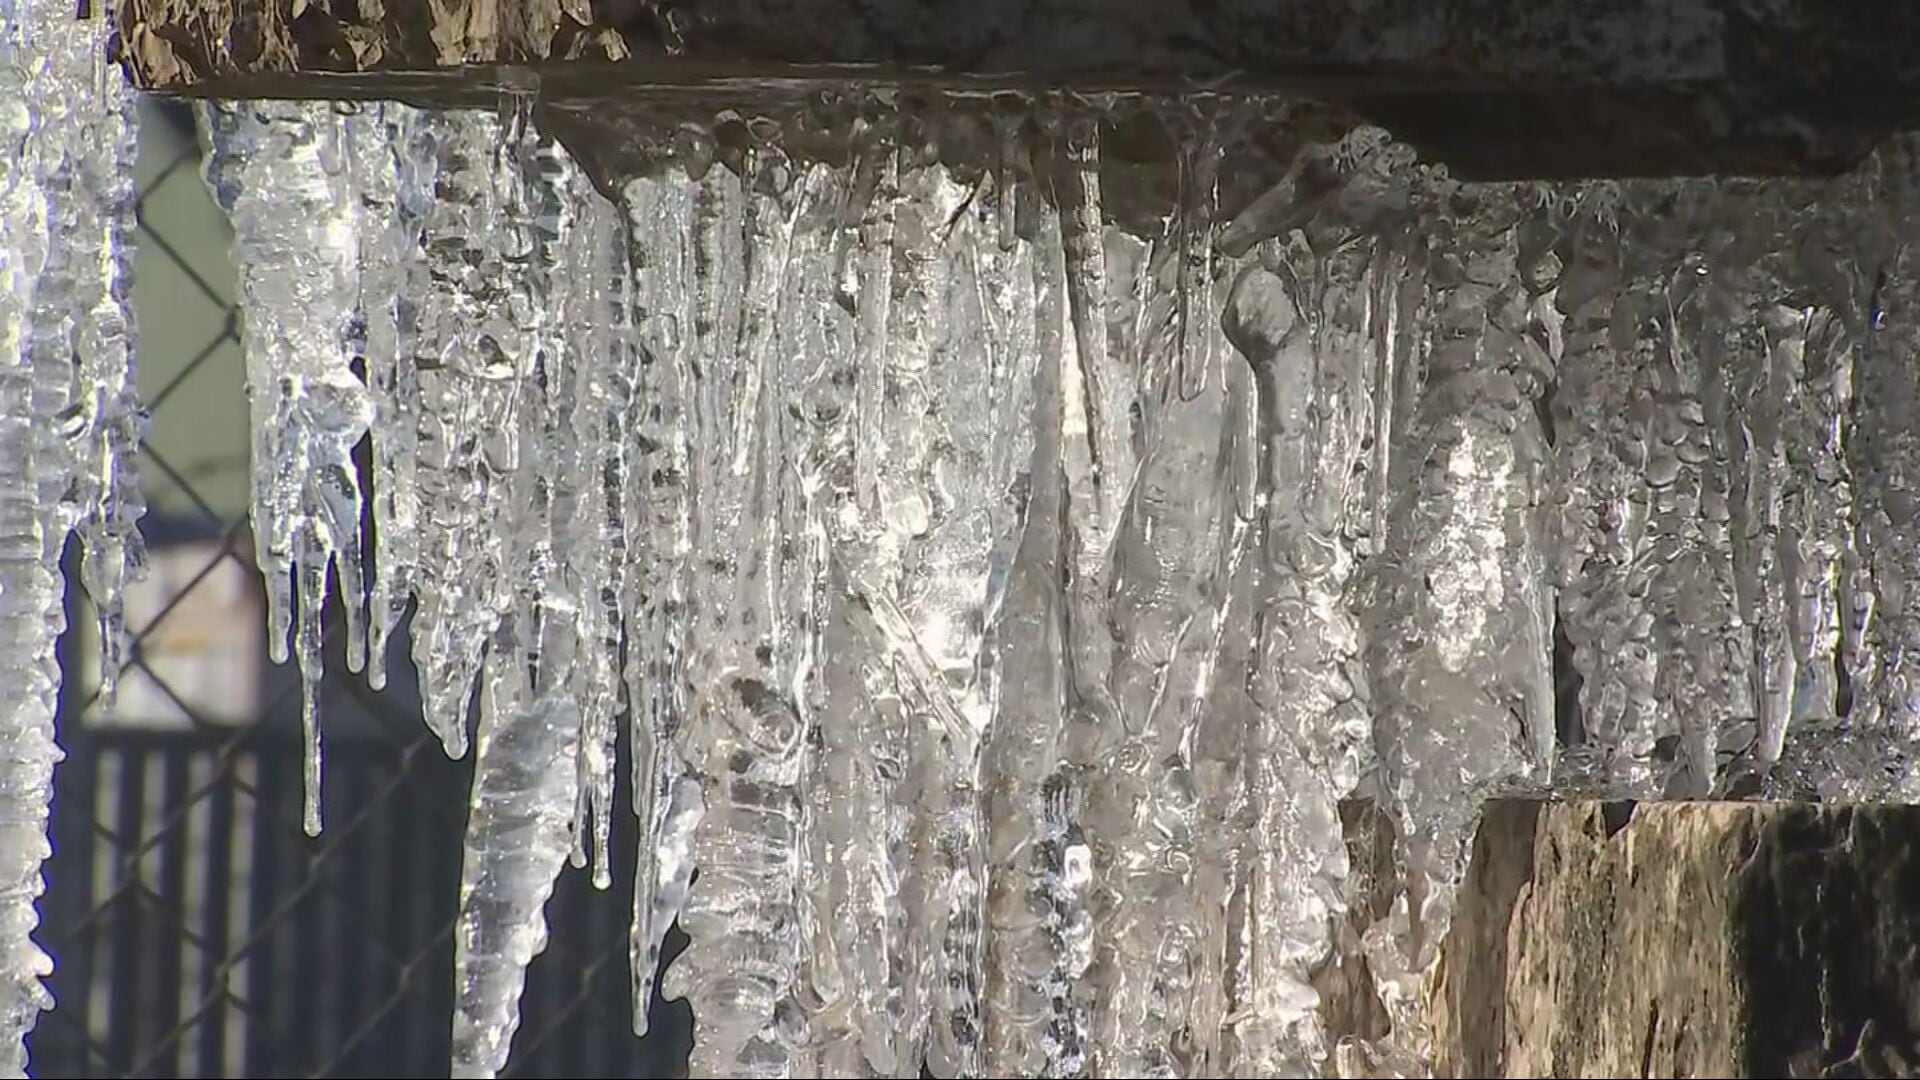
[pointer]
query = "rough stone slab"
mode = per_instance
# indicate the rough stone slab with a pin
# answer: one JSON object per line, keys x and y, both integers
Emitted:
{"x": 1498, "y": 88}
{"x": 1685, "y": 939}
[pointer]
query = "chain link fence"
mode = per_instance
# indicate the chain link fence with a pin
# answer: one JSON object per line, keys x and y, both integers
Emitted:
{"x": 197, "y": 931}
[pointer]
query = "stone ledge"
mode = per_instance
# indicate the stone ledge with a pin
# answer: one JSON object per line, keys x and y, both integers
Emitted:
{"x": 1497, "y": 88}
{"x": 1685, "y": 939}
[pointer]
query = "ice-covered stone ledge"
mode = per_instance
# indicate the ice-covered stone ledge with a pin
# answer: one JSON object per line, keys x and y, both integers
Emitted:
{"x": 1496, "y": 88}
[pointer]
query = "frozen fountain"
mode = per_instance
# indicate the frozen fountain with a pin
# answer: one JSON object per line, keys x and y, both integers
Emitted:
{"x": 1011, "y": 522}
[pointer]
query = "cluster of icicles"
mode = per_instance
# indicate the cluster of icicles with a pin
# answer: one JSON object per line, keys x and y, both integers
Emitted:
{"x": 1000, "y": 604}
{"x": 69, "y": 427}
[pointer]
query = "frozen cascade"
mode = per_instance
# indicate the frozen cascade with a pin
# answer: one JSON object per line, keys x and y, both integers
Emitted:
{"x": 1007, "y": 560}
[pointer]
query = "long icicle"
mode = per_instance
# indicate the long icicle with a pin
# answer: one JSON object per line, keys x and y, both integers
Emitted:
{"x": 747, "y": 737}
{"x": 854, "y": 981}
{"x": 545, "y": 691}
{"x": 31, "y": 599}
{"x": 598, "y": 345}
{"x": 393, "y": 169}
{"x": 653, "y": 602}
{"x": 1167, "y": 567}
{"x": 1304, "y": 750}
{"x": 106, "y": 421}
{"x": 977, "y": 387}
{"x": 1028, "y": 643}
{"x": 1746, "y": 337}
{"x": 69, "y": 425}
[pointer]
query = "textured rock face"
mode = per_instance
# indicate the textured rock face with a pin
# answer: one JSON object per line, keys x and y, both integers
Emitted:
{"x": 1498, "y": 88}
{"x": 1687, "y": 939}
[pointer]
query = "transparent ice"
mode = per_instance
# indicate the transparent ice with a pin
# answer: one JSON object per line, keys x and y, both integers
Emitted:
{"x": 69, "y": 426}
{"x": 1009, "y": 556}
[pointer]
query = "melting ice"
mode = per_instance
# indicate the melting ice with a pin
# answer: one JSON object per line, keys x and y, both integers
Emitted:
{"x": 1006, "y": 552}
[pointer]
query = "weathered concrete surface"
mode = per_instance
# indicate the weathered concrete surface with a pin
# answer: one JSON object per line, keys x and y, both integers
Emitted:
{"x": 1498, "y": 88}
{"x": 1703, "y": 939}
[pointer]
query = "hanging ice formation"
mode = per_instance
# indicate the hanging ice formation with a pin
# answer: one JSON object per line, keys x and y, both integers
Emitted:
{"x": 1008, "y": 552}
{"x": 68, "y": 427}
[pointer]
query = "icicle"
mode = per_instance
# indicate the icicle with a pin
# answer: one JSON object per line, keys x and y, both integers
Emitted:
{"x": 913, "y": 590}
{"x": 1304, "y": 749}
{"x": 1602, "y": 404}
{"x": 1105, "y": 389}
{"x": 469, "y": 354}
{"x": 1785, "y": 357}
{"x": 746, "y": 739}
{"x": 1749, "y": 338}
{"x": 392, "y": 166}
{"x": 856, "y": 1011}
{"x": 1193, "y": 238}
{"x": 1839, "y": 259}
{"x": 69, "y": 425}
{"x": 841, "y": 995}
{"x": 1028, "y": 975}
{"x": 597, "y": 312}
{"x": 31, "y": 612}
{"x": 280, "y": 172}
{"x": 987, "y": 380}
{"x": 1676, "y": 448}
{"x": 873, "y": 307}
{"x": 517, "y": 835}
{"x": 549, "y": 675}
{"x": 31, "y": 619}
{"x": 107, "y": 413}
{"x": 1167, "y": 564}
{"x": 1813, "y": 347}
{"x": 950, "y": 519}
{"x": 1096, "y": 459}
{"x": 653, "y": 602}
